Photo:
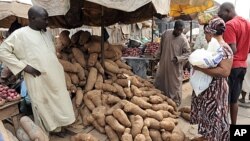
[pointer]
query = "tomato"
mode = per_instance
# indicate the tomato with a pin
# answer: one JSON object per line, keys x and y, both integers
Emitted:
{"x": 11, "y": 94}
{"x": 11, "y": 90}
{"x": 9, "y": 98}
{"x": 5, "y": 87}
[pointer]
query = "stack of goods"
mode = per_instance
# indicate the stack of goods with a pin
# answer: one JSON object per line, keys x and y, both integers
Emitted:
{"x": 111, "y": 98}
{"x": 185, "y": 112}
{"x": 7, "y": 94}
{"x": 133, "y": 49}
{"x": 151, "y": 48}
{"x": 132, "y": 52}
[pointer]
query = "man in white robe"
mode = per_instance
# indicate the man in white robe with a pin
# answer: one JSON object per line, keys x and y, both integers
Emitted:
{"x": 173, "y": 54}
{"x": 31, "y": 50}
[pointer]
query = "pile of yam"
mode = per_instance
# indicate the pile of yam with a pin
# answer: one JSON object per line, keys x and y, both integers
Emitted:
{"x": 185, "y": 112}
{"x": 109, "y": 97}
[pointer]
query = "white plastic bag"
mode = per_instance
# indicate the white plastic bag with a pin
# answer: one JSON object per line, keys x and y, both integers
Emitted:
{"x": 207, "y": 58}
{"x": 199, "y": 81}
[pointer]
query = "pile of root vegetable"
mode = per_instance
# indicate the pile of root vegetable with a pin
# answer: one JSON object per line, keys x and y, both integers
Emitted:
{"x": 111, "y": 98}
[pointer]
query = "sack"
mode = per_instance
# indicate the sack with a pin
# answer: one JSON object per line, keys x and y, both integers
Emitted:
{"x": 207, "y": 58}
{"x": 199, "y": 81}
{"x": 204, "y": 18}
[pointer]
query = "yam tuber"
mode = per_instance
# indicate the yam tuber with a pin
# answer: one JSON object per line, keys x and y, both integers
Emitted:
{"x": 163, "y": 106}
{"x": 80, "y": 73}
{"x": 186, "y": 109}
{"x": 111, "y": 67}
{"x": 92, "y": 59}
{"x": 153, "y": 114}
{"x": 136, "y": 110}
{"x": 22, "y": 135}
{"x": 136, "y": 91}
{"x": 99, "y": 67}
{"x": 75, "y": 37}
{"x": 114, "y": 124}
{"x": 84, "y": 114}
{"x": 105, "y": 100}
{"x": 125, "y": 71}
{"x": 175, "y": 121}
{"x": 167, "y": 114}
{"x": 141, "y": 103}
{"x": 168, "y": 125}
{"x": 111, "y": 133}
{"x": 137, "y": 124}
{"x": 135, "y": 82}
{"x": 99, "y": 114}
{"x": 91, "y": 79}
{"x": 148, "y": 93}
{"x": 172, "y": 103}
{"x": 83, "y": 137}
{"x": 126, "y": 135}
{"x": 74, "y": 78}
{"x": 121, "y": 116}
{"x": 140, "y": 137}
{"x": 79, "y": 97}
{"x": 122, "y": 82}
{"x": 152, "y": 123}
{"x": 122, "y": 65}
{"x": 88, "y": 102}
{"x": 128, "y": 92}
{"x": 145, "y": 132}
{"x": 98, "y": 126}
{"x": 155, "y": 135}
{"x": 105, "y": 87}
{"x": 82, "y": 83}
{"x": 73, "y": 89}
{"x": 68, "y": 80}
{"x": 185, "y": 116}
{"x": 95, "y": 97}
{"x": 34, "y": 132}
{"x": 84, "y": 37}
{"x": 177, "y": 135}
{"x": 64, "y": 40}
{"x": 67, "y": 66}
{"x": 79, "y": 56}
{"x": 154, "y": 99}
{"x": 112, "y": 99}
{"x": 120, "y": 91}
{"x": 166, "y": 135}
{"x": 118, "y": 105}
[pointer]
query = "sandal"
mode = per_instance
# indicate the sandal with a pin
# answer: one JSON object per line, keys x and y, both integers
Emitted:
{"x": 59, "y": 134}
{"x": 242, "y": 100}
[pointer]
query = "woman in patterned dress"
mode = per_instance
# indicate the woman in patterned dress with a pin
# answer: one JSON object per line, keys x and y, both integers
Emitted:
{"x": 210, "y": 109}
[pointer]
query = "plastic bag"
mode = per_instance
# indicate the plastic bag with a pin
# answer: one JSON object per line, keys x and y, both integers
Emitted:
{"x": 207, "y": 58}
{"x": 199, "y": 81}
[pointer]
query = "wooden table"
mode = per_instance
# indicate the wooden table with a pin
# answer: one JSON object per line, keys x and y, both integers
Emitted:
{"x": 10, "y": 110}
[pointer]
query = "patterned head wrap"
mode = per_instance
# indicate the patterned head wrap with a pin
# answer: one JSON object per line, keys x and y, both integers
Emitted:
{"x": 215, "y": 26}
